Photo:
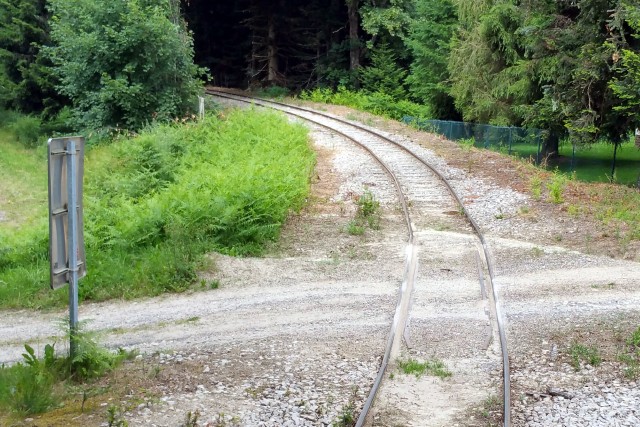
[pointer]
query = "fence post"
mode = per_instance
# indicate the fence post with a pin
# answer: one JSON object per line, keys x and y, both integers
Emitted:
{"x": 510, "y": 138}
{"x": 613, "y": 164}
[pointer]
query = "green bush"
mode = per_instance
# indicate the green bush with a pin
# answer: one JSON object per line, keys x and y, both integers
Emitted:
{"x": 27, "y": 130}
{"x": 377, "y": 102}
{"x": 129, "y": 77}
{"x": 273, "y": 92}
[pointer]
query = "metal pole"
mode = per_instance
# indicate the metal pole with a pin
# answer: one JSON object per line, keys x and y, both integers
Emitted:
{"x": 72, "y": 247}
{"x": 201, "y": 107}
{"x": 613, "y": 163}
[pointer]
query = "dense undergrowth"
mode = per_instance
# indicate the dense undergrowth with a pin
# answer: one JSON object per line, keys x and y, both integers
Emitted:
{"x": 156, "y": 203}
{"x": 378, "y": 103}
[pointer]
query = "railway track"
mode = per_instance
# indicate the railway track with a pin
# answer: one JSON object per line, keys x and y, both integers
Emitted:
{"x": 410, "y": 173}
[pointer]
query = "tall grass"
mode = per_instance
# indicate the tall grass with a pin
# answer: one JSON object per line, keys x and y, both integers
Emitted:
{"x": 156, "y": 203}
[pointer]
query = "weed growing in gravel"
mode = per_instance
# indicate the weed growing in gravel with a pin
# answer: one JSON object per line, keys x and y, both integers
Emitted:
{"x": 535, "y": 183}
{"x": 115, "y": 417}
{"x": 347, "y": 417}
{"x": 491, "y": 410}
{"x": 432, "y": 367}
{"x": 367, "y": 215}
{"x": 556, "y": 187}
{"x": 38, "y": 385}
{"x": 581, "y": 353}
{"x": 354, "y": 229}
{"x": 631, "y": 356}
{"x": 191, "y": 419}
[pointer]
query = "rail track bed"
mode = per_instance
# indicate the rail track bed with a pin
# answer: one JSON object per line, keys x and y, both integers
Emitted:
{"x": 438, "y": 306}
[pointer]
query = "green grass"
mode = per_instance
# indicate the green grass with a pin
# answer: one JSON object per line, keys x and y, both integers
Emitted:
{"x": 154, "y": 204}
{"x": 593, "y": 163}
{"x": 630, "y": 356}
{"x": 433, "y": 367}
{"x": 618, "y": 206}
{"x": 23, "y": 183}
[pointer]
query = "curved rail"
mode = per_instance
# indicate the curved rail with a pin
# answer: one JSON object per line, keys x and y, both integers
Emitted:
{"x": 410, "y": 269}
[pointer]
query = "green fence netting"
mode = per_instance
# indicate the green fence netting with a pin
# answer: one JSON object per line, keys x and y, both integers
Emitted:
{"x": 509, "y": 139}
{"x": 598, "y": 162}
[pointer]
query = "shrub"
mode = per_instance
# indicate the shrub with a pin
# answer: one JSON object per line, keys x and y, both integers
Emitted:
{"x": 127, "y": 78}
{"x": 27, "y": 130}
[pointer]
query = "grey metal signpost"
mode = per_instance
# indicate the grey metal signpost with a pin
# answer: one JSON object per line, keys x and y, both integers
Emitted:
{"x": 66, "y": 242}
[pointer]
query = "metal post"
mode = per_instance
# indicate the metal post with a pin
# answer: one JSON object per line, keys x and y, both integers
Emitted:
{"x": 72, "y": 248}
{"x": 613, "y": 163}
{"x": 201, "y": 107}
{"x": 510, "y": 138}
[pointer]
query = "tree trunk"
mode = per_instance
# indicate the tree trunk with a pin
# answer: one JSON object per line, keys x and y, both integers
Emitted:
{"x": 550, "y": 146}
{"x": 272, "y": 50}
{"x": 354, "y": 39}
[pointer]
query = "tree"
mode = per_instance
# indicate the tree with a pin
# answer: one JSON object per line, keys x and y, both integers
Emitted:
{"x": 541, "y": 63}
{"x": 431, "y": 28}
{"x": 626, "y": 85}
{"x": 26, "y": 81}
{"x": 384, "y": 75}
{"x": 123, "y": 63}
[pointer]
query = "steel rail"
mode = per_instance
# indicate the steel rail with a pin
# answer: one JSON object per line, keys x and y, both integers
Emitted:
{"x": 477, "y": 230}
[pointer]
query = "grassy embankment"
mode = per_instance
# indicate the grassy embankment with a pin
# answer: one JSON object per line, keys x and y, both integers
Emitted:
{"x": 154, "y": 205}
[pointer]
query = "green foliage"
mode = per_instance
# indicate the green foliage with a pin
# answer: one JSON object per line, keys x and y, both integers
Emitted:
{"x": 125, "y": 64}
{"x": 273, "y": 92}
{"x": 367, "y": 215}
{"x": 27, "y": 388}
{"x": 634, "y": 339}
{"x": 115, "y": 418}
{"x": 26, "y": 80}
{"x": 627, "y": 61}
{"x": 34, "y": 386}
{"x": 556, "y": 187}
{"x": 565, "y": 67}
{"x": 631, "y": 356}
{"x": 154, "y": 204}
{"x": 347, "y": 417}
